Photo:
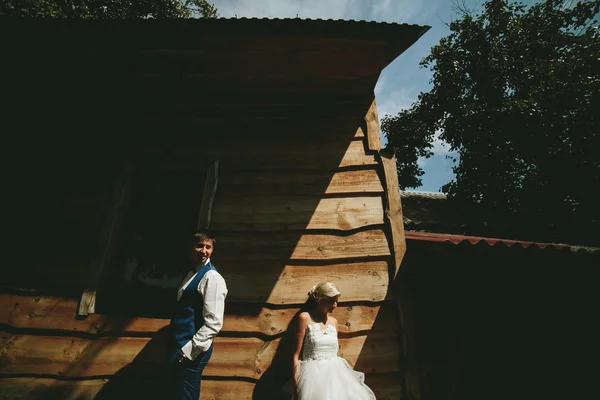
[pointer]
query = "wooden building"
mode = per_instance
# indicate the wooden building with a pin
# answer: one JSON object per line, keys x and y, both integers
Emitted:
{"x": 122, "y": 137}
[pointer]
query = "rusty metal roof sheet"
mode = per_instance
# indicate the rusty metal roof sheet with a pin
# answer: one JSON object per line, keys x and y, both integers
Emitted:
{"x": 462, "y": 239}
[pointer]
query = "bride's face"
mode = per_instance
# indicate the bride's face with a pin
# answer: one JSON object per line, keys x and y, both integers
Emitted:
{"x": 329, "y": 304}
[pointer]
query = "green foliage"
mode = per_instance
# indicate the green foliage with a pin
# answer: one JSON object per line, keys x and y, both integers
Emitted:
{"x": 108, "y": 9}
{"x": 411, "y": 139}
{"x": 516, "y": 93}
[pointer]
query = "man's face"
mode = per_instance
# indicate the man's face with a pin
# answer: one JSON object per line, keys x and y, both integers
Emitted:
{"x": 202, "y": 251}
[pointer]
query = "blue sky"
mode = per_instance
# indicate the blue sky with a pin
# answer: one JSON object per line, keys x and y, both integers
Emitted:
{"x": 400, "y": 83}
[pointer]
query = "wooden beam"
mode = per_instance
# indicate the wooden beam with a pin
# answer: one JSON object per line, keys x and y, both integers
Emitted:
{"x": 285, "y": 246}
{"x": 266, "y": 155}
{"x": 73, "y": 357}
{"x": 393, "y": 208}
{"x": 299, "y": 183}
{"x": 108, "y": 238}
{"x": 385, "y": 386}
{"x": 372, "y": 123}
{"x": 151, "y": 386}
{"x": 275, "y": 213}
{"x": 208, "y": 196}
{"x": 276, "y": 284}
{"x": 57, "y": 314}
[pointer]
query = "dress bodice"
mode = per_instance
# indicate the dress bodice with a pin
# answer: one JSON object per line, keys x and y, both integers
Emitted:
{"x": 319, "y": 343}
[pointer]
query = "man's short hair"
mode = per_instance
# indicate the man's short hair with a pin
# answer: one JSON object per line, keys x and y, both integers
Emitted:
{"x": 202, "y": 236}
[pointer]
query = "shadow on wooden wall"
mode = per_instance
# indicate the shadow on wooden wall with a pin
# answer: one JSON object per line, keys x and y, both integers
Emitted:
{"x": 276, "y": 380}
{"x": 146, "y": 377}
{"x": 277, "y": 238}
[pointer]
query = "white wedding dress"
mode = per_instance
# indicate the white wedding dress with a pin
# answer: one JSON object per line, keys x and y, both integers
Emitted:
{"x": 322, "y": 375}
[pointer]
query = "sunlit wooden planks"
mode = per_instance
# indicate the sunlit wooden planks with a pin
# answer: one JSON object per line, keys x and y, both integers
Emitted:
{"x": 264, "y": 155}
{"x": 119, "y": 388}
{"x": 70, "y": 357}
{"x": 292, "y": 213}
{"x": 298, "y": 183}
{"x": 385, "y": 386}
{"x": 51, "y": 313}
{"x": 48, "y": 388}
{"x": 289, "y": 284}
{"x": 300, "y": 246}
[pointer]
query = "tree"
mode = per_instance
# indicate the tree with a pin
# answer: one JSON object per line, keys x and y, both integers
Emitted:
{"x": 413, "y": 140}
{"x": 108, "y": 9}
{"x": 516, "y": 92}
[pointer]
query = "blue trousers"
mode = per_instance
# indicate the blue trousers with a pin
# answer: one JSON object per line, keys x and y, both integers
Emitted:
{"x": 187, "y": 376}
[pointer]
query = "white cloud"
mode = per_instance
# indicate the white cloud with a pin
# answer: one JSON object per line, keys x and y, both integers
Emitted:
{"x": 439, "y": 146}
{"x": 335, "y": 9}
{"x": 409, "y": 11}
{"x": 392, "y": 102}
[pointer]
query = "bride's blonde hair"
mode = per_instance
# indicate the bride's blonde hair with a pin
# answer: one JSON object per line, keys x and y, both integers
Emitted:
{"x": 324, "y": 290}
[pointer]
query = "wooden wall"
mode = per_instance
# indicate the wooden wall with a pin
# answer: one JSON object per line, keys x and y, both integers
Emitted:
{"x": 292, "y": 208}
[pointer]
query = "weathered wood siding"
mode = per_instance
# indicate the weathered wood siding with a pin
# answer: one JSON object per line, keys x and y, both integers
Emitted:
{"x": 291, "y": 209}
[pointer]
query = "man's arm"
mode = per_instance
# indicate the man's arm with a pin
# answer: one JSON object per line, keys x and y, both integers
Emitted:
{"x": 214, "y": 291}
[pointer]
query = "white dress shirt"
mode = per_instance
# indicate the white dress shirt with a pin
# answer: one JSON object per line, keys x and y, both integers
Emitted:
{"x": 213, "y": 289}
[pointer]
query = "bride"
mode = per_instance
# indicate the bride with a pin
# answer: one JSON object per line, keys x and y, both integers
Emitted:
{"x": 319, "y": 373}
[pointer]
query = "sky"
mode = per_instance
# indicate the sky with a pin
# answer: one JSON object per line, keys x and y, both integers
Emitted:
{"x": 402, "y": 80}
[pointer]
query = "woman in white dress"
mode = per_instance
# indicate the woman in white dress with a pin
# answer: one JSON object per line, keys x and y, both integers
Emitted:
{"x": 319, "y": 374}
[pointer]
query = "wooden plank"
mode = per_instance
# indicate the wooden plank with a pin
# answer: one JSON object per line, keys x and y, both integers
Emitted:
{"x": 279, "y": 282}
{"x": 69, "y": 357}
{"x": 401, "y": 291}
{"x": 47, "y": 313}
{"x": 281, "y": 105}
{"x": 297, "y": 246}
{"x": 48, "y": 388}
{"x": 208, "y": 196}
{"x": 267, "y": 154}
{"x": 299, "y": 183}
{"x": 354, "y": 48}
{"x": 66, "y": 275}
{"x": 274, "y": 213}
{"x": 351, "y": 318}
{"x": 360, "y": 281}
{"x": 150, "y": 387}
{"x": 393, "y": 208}
{"x": 219, "y": 83}
{"x": 263, "y": 62}
{"x": 385, "y": 387}
{"x": 373, "y": 133}
{"x": 108, "y": 238}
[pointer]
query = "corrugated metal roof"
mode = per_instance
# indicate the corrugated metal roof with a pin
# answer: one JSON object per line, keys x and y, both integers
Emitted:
{"x": 392, "y": 32}
{"x": 362, "y": 21}
{"x": 458, "y": 239}
{"x": 422, "y": 194}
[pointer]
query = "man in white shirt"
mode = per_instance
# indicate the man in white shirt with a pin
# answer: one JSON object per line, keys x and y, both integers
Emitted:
{"x": 197, "y": 319}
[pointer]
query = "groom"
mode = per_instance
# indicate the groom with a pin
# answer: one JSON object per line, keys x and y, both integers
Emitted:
{"x": 197, "y": 319}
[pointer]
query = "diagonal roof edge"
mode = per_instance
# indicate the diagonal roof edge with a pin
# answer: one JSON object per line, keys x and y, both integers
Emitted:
{"x": 460, "y": 239}
{"x": 299, "y": 26}
{"x": 182, "y": 32}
